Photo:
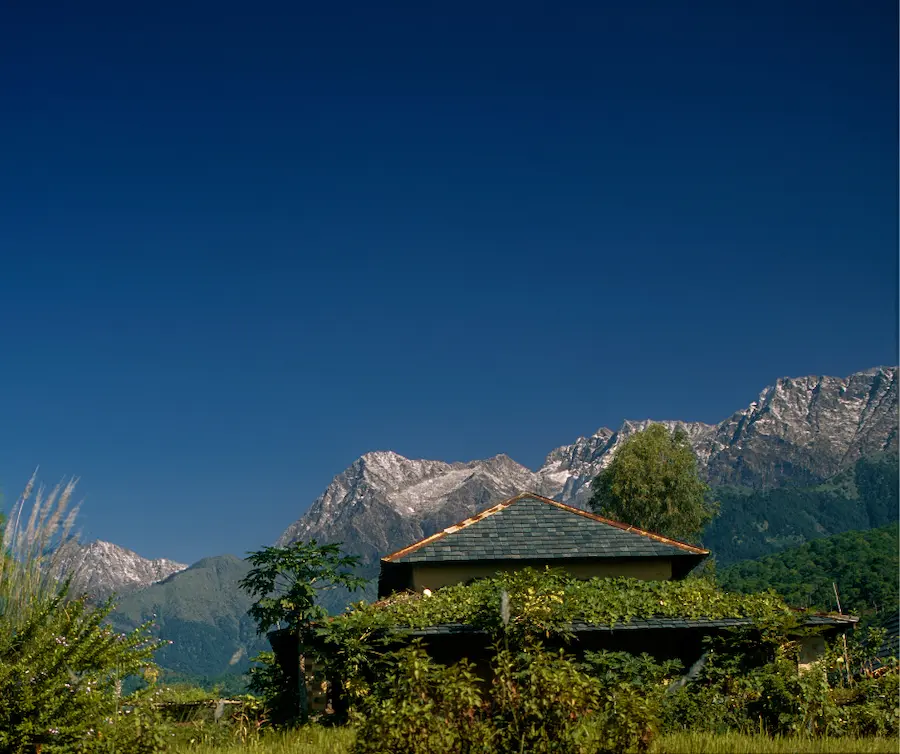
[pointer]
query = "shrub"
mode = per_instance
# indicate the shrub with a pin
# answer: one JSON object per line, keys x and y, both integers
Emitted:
{"x": 423, "y": 707}
{"x": 869, "y": 707}
{"x": 542, "y": 701}
{"x": 539, "y": 701}
{"x": 61, "y": 667}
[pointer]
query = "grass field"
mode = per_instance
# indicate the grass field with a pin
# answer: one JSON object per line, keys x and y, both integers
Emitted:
{"x": 339, "y": 740}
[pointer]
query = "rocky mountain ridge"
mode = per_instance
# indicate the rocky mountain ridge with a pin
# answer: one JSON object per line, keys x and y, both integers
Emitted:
{"x": 799, "y": 431}
{"x": 101, "y": 569}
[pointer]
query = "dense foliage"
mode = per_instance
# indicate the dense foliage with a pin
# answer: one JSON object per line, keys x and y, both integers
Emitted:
{"x": 539, "y": 604}
{"x": 60, "y": 670}
{"x": 864, "y": 565}
{"x": 547, "y": 601}
{"x": 751, "y": 681}
{"x": 537, "y": 701}
{"x": 652, "y": 483}
{"x": 541, "y": 701}
{"x": 754, "y": 523}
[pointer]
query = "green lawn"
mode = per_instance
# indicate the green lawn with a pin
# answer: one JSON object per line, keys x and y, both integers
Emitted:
{"x": 338, "y": 741}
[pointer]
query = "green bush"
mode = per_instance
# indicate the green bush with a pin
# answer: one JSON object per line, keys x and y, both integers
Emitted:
{"x": 537, "y": 701}
{"x": 423, "y": 707}
{"x": 61, "y": 666}
{"x": 752, "y": 683}
{"x": 869, "y": 707}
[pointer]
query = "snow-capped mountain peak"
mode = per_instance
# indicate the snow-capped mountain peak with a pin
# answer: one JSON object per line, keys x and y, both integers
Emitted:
{"x": 102, "y": 568}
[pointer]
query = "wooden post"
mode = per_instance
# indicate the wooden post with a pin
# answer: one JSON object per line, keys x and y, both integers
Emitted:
{"x": 843, "y": 635}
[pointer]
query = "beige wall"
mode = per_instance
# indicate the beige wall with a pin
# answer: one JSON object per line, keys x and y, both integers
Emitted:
{"x": 812, "y": 649}
{"x": 428, "y": 576}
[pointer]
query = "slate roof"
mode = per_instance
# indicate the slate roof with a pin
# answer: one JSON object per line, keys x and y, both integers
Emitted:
{"x": 531, "y": 527}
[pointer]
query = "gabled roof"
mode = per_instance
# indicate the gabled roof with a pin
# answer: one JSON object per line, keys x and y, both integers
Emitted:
{"x": 531, "y": 527}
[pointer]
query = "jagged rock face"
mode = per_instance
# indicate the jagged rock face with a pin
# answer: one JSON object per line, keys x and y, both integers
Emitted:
{"x": 101, "y": 569}
{"x": 805, "y": 430}
{"x": 384, "y": 498}
{"x": 800, "y": 431}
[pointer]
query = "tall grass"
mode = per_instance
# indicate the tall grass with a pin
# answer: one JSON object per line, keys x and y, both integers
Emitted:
{"x": 741, "y": 743}
{"x": 340, "y": 741}
{"x": 309, "y": 740}
{"x": 314, "y": 740}
{"x": 34, "y": 538}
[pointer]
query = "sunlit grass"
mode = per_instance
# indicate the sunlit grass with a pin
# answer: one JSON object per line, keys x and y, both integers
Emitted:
{"x": 314, "y": 740}
{"x": 311, "y": 740}
{"x": 739, "y": 743}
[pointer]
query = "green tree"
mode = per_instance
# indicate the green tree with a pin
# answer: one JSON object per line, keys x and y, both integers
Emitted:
{"x": 286, "y": 582}
{"x": 652, "y": 483}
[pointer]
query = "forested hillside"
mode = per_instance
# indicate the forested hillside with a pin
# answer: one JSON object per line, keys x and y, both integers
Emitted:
{"x": 752, "y": 524}
{"x": 864, "y": 565}
{"x": 203, "y": 612}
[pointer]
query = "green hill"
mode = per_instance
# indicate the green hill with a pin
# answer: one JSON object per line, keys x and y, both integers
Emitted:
{"x": 753, "y": 523}
{"x": 864, "y": 565}
{"x": 203, "y": 612}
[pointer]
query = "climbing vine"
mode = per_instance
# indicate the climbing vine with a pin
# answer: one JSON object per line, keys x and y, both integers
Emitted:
{"x": 550, "y": 601}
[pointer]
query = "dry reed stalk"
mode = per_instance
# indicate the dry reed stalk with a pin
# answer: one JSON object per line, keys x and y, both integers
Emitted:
{"x": 32, "y": 549}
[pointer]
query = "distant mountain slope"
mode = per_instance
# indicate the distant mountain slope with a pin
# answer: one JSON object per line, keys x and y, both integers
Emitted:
{"x": 753, "y": 523}
{"x": 102, "y": 568}
{"x": 203, "y": 611}
{"x": 864, "y": 565}
{"x": 798, "y": 432}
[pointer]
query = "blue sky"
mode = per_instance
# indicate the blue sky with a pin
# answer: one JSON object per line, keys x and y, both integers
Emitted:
{"x": 244, "y": 244}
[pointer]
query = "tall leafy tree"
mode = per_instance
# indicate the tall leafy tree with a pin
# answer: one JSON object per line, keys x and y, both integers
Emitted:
{"x": 287, "y": 580}
{"x": 652, "y": 482}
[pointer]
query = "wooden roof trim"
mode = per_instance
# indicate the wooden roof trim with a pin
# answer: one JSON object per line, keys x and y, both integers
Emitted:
{"x": 506, "y": 503}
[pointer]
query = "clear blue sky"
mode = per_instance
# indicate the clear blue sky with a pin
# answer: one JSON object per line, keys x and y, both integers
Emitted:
{"x": 243, "y": 244}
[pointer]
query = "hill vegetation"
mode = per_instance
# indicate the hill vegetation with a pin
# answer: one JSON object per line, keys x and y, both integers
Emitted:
{"x": 203, "y": 612}
{"x": 752, "y": 523}
{"x": 864, "y": 565}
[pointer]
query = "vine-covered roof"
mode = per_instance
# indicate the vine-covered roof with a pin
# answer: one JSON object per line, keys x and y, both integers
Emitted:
{"x": 552, "y": 601}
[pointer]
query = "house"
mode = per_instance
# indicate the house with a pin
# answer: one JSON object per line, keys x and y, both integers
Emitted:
{"x": 531, "y": 530}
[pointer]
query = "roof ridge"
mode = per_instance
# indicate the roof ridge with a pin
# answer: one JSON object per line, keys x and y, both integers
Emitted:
{"x": 504, "y": 504}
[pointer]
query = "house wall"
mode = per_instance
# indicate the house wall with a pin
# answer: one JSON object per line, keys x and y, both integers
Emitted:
{"x": 812, "y": 649}
{"x": 434, "y": 576}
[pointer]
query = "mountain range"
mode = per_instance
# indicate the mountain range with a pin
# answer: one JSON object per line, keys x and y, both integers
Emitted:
{"x": 811, "y": 456}
{"x": 798, "y": 432}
